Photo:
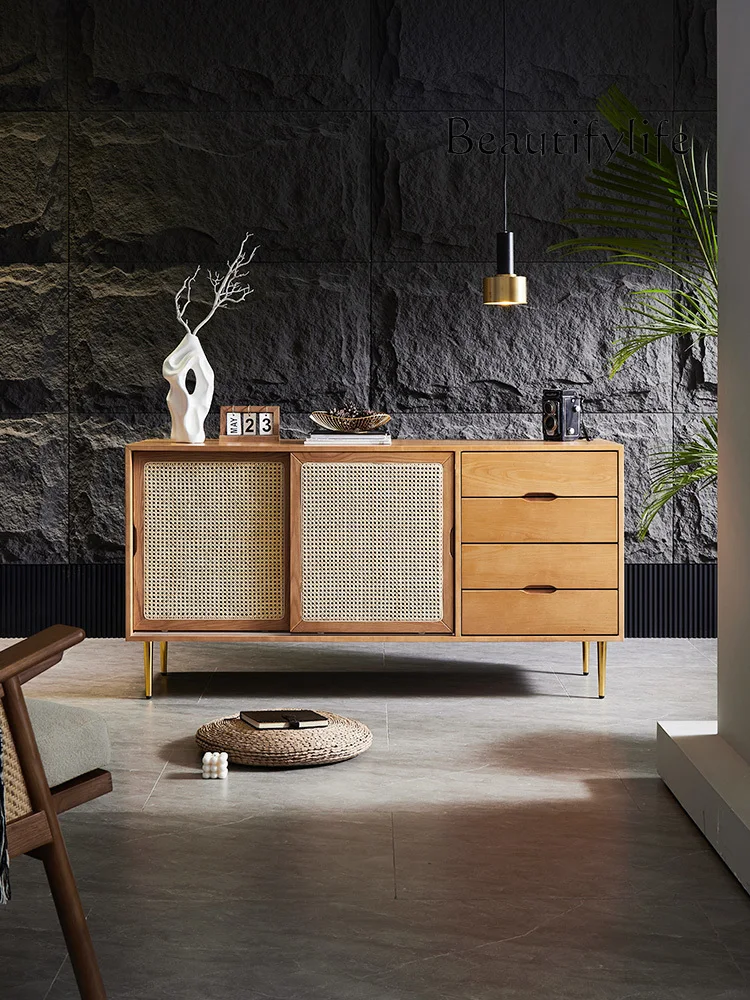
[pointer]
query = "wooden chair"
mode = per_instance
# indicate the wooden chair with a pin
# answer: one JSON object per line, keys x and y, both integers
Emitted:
{"x": 32, "y": 806}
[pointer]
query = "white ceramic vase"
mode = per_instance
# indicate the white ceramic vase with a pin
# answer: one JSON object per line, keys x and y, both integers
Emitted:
{"x": 188, "y": 409}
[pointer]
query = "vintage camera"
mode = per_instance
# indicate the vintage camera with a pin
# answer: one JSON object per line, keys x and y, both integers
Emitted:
{"x": 562, "y": 415}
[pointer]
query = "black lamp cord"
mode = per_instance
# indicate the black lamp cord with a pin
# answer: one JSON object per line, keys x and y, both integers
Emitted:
{"x": 505, "y": 127}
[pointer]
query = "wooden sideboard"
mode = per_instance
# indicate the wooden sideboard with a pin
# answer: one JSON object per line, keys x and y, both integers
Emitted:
{"x": 458, "y": 541}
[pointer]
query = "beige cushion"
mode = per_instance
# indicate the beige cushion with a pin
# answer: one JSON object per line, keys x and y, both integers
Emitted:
{"x": 71, "y": 740}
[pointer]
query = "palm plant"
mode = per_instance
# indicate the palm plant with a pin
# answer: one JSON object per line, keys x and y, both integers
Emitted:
{"x": 655, "y": 210}
{"x": 692, "y": 464}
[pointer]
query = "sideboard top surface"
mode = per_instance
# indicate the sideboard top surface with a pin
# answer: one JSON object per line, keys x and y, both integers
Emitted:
{"x": 399, "y": 444}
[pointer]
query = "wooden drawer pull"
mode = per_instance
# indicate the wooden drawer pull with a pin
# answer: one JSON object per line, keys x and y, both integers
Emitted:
{"x": 540, "y": 590}
{"x": 546, "y": 497}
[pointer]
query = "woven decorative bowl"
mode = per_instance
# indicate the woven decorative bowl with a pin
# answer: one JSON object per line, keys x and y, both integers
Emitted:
{"x": 349, "y": 425}
{"x": 340, "y": 740}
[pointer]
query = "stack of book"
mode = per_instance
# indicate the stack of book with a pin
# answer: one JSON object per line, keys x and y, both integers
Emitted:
{"x": 292, "y": 719}
{"x": 340, "y": 439}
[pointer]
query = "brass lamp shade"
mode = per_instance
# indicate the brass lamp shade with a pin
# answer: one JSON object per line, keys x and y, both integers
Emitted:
{"x": 505, "y": 290}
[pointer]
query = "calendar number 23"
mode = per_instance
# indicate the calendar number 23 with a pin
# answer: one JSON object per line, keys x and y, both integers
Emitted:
{"x": 265, "y": 423}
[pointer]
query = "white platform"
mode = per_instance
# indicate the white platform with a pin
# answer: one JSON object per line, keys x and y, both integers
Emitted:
{"x": 712, "y": 783}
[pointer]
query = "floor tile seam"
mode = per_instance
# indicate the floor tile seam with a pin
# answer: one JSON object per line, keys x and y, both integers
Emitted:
{"x": 706, "y": 656}
{"x": 560, "y": 681}
{"x": 59, "y": 970}
{"x": 642, "y": 810}
{"x": 371, "y": 905}
{"x": 207, "y": 685}
{"x": 350, "y": 901}
{"x": 668, "y": 899}
{"x": 247, "y": 818}
{"x": 630, "y": 795}
{"x": 294, "y": 905}
{"x": 148, "y": 798}
{"x": 622, "y": 897}
{"x": 380, "y": 899}
{"x": 120, "y": 772}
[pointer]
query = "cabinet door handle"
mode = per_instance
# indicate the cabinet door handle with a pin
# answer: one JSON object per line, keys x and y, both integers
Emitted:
{"x": 540, "y": 590}
{"x": 545, "y": 497}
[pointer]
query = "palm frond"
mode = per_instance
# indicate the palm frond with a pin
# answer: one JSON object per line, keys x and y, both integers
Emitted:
{"x": 628, "y": 346}
{"x": 656, "y": 211}
{"x": 693, "y": 464}
{"x": 662, "y": 313}
{"x": 700, "y": 209}
{"x": 664, "y": 199}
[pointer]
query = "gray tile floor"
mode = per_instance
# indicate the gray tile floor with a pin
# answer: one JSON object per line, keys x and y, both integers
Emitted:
{"x": 506, "y": 835}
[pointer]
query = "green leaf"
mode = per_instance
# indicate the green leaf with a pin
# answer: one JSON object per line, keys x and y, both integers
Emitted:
{"x": 654, "y": 210}
{"x": 693, "y": 464}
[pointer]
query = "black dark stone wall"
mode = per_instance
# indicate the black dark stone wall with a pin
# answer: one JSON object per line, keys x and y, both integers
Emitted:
{"x": 140, "y": 138}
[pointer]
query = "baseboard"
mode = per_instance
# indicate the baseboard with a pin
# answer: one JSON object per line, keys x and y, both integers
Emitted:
{"x": 712, "y": 784}
{"x": 671, "y": 600}
{"x": 84, "y": 594}
{"x": 661, "y": 601}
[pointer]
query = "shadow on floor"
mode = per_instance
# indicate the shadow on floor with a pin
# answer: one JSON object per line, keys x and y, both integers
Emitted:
{"x": 464, "y": 680}
{"x": 568, "y": 752}
{"x": 395, "y": 885}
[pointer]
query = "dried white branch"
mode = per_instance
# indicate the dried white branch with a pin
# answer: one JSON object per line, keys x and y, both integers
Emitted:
{"x": 229, "y": 289}
{"x": 185, "y": 290}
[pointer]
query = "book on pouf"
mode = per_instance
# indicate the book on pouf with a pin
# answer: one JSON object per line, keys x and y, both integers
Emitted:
{"x": 284, "y": 720}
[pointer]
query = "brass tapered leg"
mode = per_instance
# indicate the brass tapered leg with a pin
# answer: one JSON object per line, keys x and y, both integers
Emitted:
{"x": 601, "y": 657}
{"x": 586, "y": 652}
{"x": 163, "y": 657}
{"x": 148, "y": 668}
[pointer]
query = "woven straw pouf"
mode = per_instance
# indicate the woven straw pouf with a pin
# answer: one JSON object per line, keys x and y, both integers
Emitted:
{"x": 340, "y": 740}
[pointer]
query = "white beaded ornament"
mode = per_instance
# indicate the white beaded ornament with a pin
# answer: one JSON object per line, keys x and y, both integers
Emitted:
{"x": 215, "y": 765}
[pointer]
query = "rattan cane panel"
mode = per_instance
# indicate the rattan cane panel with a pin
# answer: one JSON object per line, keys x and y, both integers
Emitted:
{"x": 213, "y": 540}
{"x": 372, "y": 541}
{"x": 17, "y": 802}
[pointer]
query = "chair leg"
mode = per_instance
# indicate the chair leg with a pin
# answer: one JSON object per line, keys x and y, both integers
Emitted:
{"x": 586, "y": 653}
{"x": 53, "y": 854}
{"x": 148, "y": 668}
{"x": 72, "y": 918}
{"x": 601, "y": 657}
{"x": 163, "y": 653}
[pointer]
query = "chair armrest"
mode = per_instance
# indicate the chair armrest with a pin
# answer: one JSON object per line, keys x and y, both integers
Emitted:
{"x": 39, "y": 652}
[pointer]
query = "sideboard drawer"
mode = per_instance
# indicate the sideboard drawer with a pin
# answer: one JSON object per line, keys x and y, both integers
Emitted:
{"x": 515, "y": 474}
{"x": 513, "y": 567}
{"x": 538, "y": 613}
{"x": 566, "y": 519}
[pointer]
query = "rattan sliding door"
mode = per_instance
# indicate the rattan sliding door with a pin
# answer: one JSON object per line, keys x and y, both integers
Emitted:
{"x": 371, "y": 542}
{"x": 210, "y": 542}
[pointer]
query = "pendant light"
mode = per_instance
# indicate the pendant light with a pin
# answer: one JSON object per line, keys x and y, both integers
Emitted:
{"x": 506, "y": 288}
